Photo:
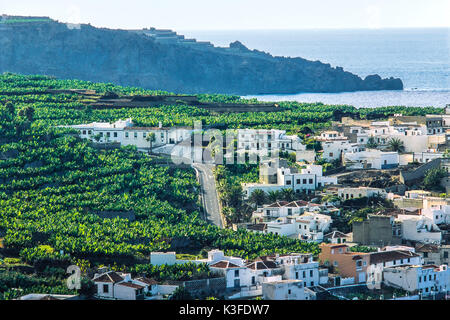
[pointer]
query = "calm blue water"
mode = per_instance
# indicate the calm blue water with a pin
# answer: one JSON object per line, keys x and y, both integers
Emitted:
{"x": 420, "y": 57}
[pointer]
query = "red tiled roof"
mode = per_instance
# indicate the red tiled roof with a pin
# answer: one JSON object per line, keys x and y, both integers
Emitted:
{"x": 335, "y": 234}
{"x": 147, "y": 281}
{"x": 257, "y": 226}
{"x": 384, "y": 256}
{"x": 277, "y": 204}
{"x": 224, "y": 265}
{"x": 426, "y": 247}
{"x": 262, "y": 263}
{"x": 130, "y": 285}
{"x": 109, "y": 277}
{"x": 296, "y": 204}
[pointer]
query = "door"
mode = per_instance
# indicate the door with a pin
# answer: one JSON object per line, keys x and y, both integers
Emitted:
{"x": 361, "y": 277}
{"x": 237, "y": 283}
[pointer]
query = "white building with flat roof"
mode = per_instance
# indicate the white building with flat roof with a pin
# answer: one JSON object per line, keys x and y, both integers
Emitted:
{"x": 307, "y": 180}
{"x": 426, "y": 279}
{"x": 360, "y": 192}
{"x": 419, "y": 228}
{"x": 284, "y": 290}
{"x": 371, "y": 159}
{"x": 263, "y": 141}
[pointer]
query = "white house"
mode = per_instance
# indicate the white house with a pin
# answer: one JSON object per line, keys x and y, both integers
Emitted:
{"x": 284, "y": 290}
{"x": 307, "y": 180}
{"x": 283, "y": 209}
{"x": 309, "y": 226}
{"x": 360, "y": 192}
{"x": 438, "y": 216}
{"x": 419, "y": 228}
{"x": 371, "y": 159}
{"x": 126, "y": 133}
{"x": 333, "y": 149}
{"x": 427, "y": 155}
{"x": 218, "y": 255}
{"x": 426, "y": 280}
{"x": 236, "y": 276}
{"x": 113, "y": 285}
{"x": 262, "y": 141}
{"x": 298, "y": 266}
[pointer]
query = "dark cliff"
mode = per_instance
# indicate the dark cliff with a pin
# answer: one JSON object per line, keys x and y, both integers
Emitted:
{"x": 135, "y": 59}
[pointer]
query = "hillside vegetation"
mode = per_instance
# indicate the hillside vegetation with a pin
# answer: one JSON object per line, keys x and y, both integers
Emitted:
{"x": 53, "y": 186}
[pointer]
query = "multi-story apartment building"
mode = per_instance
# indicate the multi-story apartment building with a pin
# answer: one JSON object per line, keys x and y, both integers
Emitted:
{"x": 265, "y": 141}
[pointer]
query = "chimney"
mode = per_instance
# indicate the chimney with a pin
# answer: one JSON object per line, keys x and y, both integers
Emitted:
{"x": 160, "y": 125}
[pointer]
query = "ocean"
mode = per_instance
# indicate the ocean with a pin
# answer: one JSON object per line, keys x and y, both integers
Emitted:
{"x": 420, "y": 57}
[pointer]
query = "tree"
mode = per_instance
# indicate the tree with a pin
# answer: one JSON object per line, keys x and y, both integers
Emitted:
{"x": 371, "y": 143}
{"x": 273, "y": 196}
{"x": 150, "y": 138}
{"x": 433, "y": 178}
{"x": 258, "y": 197}
{"x": 395, "y": 144}
{"x": 287, "y": 195}
{"x": 181, "y": 294}
{"x": 97, "y": 137}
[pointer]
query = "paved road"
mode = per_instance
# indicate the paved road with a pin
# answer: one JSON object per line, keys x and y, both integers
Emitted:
{"x": 209, "y": 193}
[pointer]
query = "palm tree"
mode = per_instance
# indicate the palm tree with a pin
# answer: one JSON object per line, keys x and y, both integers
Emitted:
{"x": 395, "y": 144}
{"x": 287, "y": 195}
{"x": 371, "y": 143}
{"x": 258, "y": 197}
{"x": 150, "y": 138}
{"x": 273, "y": 196}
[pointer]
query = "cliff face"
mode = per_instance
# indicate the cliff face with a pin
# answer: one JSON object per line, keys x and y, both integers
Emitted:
{"x": 135, "y": 59}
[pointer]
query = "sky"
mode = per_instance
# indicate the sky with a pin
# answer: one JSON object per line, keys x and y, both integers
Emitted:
{"x": 239, "y": 14}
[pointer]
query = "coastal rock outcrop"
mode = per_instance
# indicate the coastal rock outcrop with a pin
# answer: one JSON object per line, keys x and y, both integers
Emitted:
{"x": 166, "y": 62}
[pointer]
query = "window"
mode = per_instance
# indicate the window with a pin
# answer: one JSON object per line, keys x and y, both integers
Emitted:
{"x": 310, "y": 181}
{"x": 335, "y": 263}
{"x": 304, "y": 181}
{"x": 425, "y": 254}
{"x": 304, "y": 274}
{"x": 108, "y": 134}
{"x": 288, "y": 182}
{"x": 84, "y": 131}
{"x": 126, "y": 135}
{"x": 446, "y": 255}
{"x": 298, "y": 181}
{"x": 310, "y": 273}
{"x": 296, "y": 275}
{"x": 144, "y": 134}
{"x": 105, "y": 288}
{"x": 135, "y": 135}
{"x": 236, "y": 273}
{"x": 115, "y": 134}
{"x": 289, "y": 291}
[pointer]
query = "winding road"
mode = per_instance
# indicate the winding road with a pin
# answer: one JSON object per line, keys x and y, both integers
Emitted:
{"x": 209, "y": 193}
